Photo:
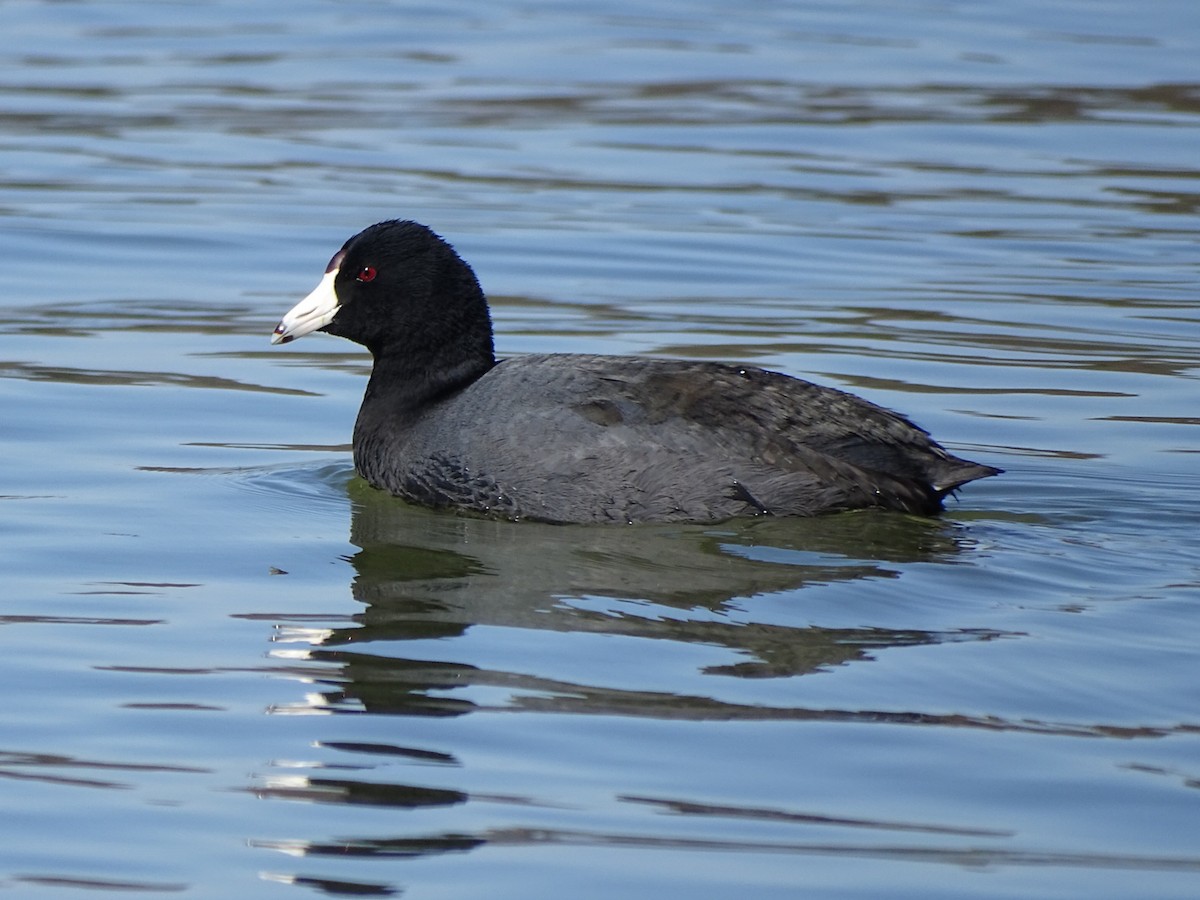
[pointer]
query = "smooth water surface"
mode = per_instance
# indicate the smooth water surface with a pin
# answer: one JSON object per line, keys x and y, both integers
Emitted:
{"x": 233, "y": 670}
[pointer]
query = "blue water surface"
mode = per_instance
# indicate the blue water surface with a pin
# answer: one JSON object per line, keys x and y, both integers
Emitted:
{"x": 233, "y": 669}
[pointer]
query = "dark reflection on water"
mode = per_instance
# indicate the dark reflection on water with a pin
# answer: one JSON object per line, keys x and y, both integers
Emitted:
{"x": 108, "y": 885}
{"x": 344, "y": 790}
{"x": 377, "y": 685}
{"x": 47, "y": 767}
{"x": 424, "y": 575}
{"x": 433, "y": 844}
{"x": 411, "y": 753}
{"x": 130, "y": 378}
{"x": 402, "y": 547}
{"x": 466, "y": 103}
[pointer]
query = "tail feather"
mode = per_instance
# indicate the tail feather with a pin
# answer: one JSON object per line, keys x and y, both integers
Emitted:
{"x": 958, "y": 472}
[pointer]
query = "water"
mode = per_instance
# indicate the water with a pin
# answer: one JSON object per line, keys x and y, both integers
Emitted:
{"x": 233, "y": 669}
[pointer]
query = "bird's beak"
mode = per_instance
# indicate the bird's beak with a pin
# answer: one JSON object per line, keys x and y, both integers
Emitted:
{"x": 314, "y": 311}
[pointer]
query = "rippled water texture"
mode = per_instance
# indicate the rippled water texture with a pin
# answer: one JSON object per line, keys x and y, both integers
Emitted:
{"x": 233, "y": 670}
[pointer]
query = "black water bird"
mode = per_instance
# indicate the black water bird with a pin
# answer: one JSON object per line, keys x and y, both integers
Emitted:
{"x": 572, "y": 438}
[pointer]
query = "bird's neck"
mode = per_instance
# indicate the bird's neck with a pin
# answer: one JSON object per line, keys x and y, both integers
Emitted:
{"x": 404, "y": 384}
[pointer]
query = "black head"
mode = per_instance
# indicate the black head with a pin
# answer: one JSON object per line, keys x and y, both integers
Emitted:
{"x": 403, "y": 293}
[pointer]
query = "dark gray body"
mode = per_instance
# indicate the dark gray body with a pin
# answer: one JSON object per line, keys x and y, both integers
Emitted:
{"x": 573, "y": 438}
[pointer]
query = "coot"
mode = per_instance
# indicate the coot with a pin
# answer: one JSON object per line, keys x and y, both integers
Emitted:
{"x": 577, "y": 438}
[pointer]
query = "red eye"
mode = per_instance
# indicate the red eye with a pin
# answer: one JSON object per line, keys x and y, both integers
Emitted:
{"x": 365, "y": 274}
